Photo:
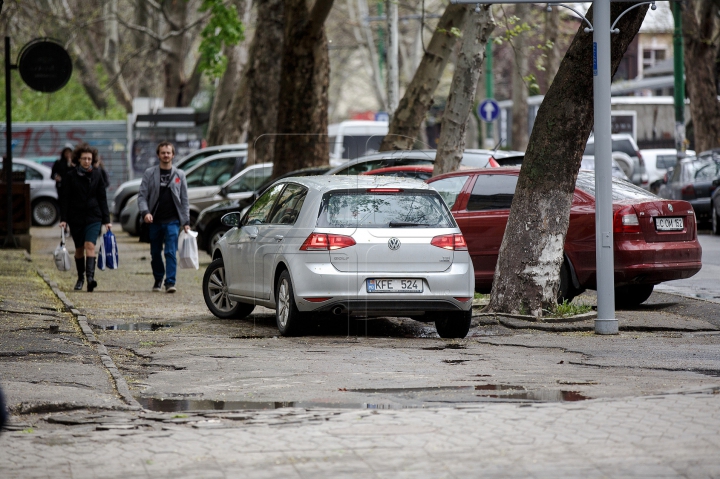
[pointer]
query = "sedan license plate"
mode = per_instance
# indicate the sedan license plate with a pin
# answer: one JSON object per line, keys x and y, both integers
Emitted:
{"x": 394, "y": 285}
{"x": 669, "y": 224}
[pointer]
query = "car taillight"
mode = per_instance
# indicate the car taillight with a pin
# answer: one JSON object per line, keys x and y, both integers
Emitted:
{"x": 454, "y": 242}
{"x": 492, "y": 163}
{"x": 626, "y": 221}
{"x": 384, "y": 190}
{"x": 642, "y": 162}
{"x": 326, "y": 242}
{"x": 688, "y": 192}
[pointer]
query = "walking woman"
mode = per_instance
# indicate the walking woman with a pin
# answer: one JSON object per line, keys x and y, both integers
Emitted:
{"x": 83, "y": 206}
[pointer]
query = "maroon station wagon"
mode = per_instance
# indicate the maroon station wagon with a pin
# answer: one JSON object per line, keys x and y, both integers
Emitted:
{"x": 655, "y": 239}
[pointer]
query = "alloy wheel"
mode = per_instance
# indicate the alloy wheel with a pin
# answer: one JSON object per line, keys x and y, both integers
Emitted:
{"x": 283, "y": 303}
{"x": 45, "y": 213}
{"x": 217, "y": 288}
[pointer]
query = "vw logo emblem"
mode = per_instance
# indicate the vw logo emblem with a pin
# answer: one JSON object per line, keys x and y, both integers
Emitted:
{"x": 670, "y": 207}
{"x": 393, "y": 243}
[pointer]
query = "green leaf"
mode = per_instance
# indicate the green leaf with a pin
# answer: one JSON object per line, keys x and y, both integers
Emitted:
{"x": 223, "y": 29}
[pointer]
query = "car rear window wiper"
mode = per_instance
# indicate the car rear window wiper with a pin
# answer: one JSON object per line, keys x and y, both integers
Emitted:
{"x": 396, "y": 224}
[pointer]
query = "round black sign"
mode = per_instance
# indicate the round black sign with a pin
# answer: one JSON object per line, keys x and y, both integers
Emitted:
{"x": 45, "y": 65}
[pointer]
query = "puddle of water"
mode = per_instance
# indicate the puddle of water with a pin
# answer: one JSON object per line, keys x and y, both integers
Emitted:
{"x": 134, "y": 326}
{"x": 175, "y": 405}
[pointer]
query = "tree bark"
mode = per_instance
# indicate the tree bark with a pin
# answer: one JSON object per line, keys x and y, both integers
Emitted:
{"x": 519, "y": 87}
{"x": 552, "y": 34}
{"x": 701, "y": 34}
{"x": 527, "y": 273}
{"x": 237, "y": 56}
{"x": 410, "y": 114}
{"x": 111, "y": 56}
{"x": 303, "y": 101}
{"x": 265, "y": 64}
{"x": 476, "y": 31}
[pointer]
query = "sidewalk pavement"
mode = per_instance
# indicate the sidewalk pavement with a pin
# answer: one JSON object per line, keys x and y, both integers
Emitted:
{"x": 70, "y": 420}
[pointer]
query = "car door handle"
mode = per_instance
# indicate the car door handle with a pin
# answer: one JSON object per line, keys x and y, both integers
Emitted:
{"x": 279, "y": 237}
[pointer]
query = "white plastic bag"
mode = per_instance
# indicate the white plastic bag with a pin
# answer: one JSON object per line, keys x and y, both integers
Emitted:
{"x": 61, "y": 255}
{"x": 188, "y": 250}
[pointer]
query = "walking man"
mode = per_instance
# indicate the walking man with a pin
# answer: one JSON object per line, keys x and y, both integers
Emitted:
{"x": 163, "y": 203}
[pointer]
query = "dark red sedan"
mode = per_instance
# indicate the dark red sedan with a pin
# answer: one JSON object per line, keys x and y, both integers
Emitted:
{"x": 655, "y": 239}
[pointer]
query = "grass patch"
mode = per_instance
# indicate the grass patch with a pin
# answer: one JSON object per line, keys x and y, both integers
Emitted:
{"x": 481, "y": 296}
{"x": 570, "y": 309}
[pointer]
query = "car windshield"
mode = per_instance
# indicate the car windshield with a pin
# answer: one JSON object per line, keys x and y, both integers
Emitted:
{"x": 621, "y": 189}
{"x": 367, "y": 209}
{"x": 706, "y": 170}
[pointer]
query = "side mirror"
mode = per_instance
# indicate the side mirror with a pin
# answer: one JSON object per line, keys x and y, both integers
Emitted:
{"x": 231, "y": 219}
{"x": 716, "y": 182}
{"x": 223, "y": 191}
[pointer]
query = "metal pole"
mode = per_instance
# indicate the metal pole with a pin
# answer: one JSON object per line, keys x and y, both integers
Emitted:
{"x": 679, "y": 87}
{"x": 7, "y": 163}
{"x": 606, "y": 323}
{"x": 393, "y": 84}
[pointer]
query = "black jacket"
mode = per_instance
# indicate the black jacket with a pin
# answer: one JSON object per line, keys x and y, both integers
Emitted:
{"x": 83, "y": 199}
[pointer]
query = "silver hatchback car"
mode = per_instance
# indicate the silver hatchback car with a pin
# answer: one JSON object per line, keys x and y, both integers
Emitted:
{"x": 350, "y": 246}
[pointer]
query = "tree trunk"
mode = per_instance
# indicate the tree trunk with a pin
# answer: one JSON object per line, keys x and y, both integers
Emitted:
{"x": 519, "y": 87}
{"x": 303, "y": 103}
{"x": 111, "y": 56}
{"x": 701, "y": 31}
{"x": 237, "y": 56}
{"x": 476, "y": 31}
{"x": 410, "y": 114}
{"x": 265, "y": 63}
{"x": 527, "y": 274}
{"x": 372, "y": 56}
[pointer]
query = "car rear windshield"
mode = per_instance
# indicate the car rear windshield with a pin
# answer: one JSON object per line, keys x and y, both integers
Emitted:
{"x": 367, "y": 209}
{"x": 621, "y": 189}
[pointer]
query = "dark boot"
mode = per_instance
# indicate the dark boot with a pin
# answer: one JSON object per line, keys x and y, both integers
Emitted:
{"x": 90, "y": 272}
{"x": 80, "y": 264}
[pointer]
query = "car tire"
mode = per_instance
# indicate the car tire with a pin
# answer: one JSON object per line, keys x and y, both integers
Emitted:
{"x": 632, "y": 296}
{"x": 214, "y": 238}
{"x": 566, "y": 291}
{"x": 715, "y": 220}
{"x": 289, "y": 319}
{"x": 45, "y": 212}
{"x": 454, "y": 325}
{"x": 214, "y": 288}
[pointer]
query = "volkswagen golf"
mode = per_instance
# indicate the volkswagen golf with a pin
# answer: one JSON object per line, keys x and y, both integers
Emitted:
{"x": 344, "y": 246}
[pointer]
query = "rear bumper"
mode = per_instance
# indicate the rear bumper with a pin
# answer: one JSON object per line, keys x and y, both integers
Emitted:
{"x": 348, "y": 289}
{"x": 701, "y": 206}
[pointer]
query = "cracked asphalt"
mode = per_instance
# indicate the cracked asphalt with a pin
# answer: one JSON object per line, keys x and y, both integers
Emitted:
{"x": 350, "y": 398}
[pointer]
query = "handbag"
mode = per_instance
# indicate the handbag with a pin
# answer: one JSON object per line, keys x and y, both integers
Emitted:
{"x": 144, "y": 232}
{"x": 188, "y": 249}
{"x": 61, "y": 255}
{"x": 108, "y": 256}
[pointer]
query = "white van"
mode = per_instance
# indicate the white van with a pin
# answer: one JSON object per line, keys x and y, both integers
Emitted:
{"x": 354, "y": 138}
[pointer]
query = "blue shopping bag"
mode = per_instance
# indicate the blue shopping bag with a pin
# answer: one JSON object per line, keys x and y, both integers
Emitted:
{"x": 108, "y": 257}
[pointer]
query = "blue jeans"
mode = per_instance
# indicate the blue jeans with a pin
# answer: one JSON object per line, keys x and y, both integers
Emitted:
{"x": 164, "y": 235}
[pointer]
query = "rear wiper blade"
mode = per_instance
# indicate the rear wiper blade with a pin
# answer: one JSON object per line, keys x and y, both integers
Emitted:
{"x": 395, "y": 224}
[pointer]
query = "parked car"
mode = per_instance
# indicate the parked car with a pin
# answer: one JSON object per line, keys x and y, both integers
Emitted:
{"x": 44, "y": 206}
{"x": 714, "y": 155}
{"x": 417, "y": 172}
{"x": 655, "y": 240}
{"x": 126, "y": 190}
{"x": 588, "y": 163}
{"x": 692, "y": 181}
{"x": 471, "y": 158}
{"x": 203, "y": 179}
{"x": 366, "y": 246}
{"x": 627, "y": 154}
{"x": 657, "y": 163}
{"x": 209, "y": 227}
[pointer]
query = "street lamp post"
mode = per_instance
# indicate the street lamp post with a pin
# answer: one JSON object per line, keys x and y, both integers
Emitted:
{"x": 605, "y": 323}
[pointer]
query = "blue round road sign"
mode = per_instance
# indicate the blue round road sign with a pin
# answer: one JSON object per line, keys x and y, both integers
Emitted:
{"x": 488, "y": 110}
